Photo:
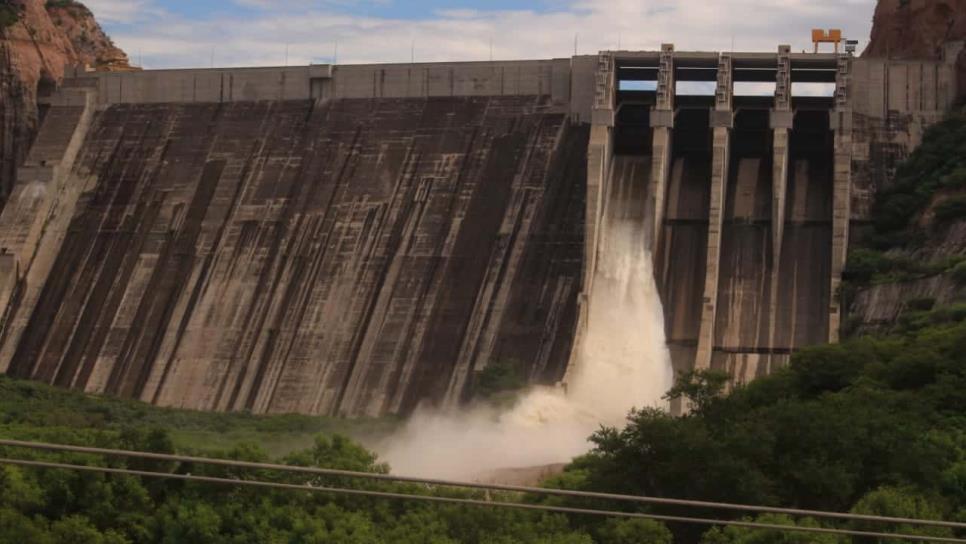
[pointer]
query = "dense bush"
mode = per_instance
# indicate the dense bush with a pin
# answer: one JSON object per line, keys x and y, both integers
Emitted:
{"x": 48, "y": 411}
{"x": 921, "y": 304}
{"x": 938, "y": 164}
{"x": 959, "y": 273}
{"x": 874, "y": 424}
{"x": 59, "y": 506}
{"x": 950, "y": 210}
{"x": 866, "y": 266}
{"x": 60, "y": 4}
{"x": 9, "y": 14}
{"x": 499, "y": 377}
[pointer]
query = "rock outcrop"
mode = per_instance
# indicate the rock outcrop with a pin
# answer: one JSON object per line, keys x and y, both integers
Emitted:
{"x": 904, "y": 30}
{"x": 919, "y": 29}
{"x": 35, "y": 49}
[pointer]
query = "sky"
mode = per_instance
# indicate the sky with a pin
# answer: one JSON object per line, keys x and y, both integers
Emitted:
{"x": 202, "y": 33}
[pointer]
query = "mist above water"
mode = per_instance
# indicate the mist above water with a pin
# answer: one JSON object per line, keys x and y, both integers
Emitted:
{"x": 623, "y": 363}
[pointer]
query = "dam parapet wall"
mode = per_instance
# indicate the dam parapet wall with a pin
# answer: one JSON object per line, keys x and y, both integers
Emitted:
{"x": 563, "y": 80}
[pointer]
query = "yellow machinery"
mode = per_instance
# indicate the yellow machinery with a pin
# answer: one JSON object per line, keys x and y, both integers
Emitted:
{"x": 833, "y": 36}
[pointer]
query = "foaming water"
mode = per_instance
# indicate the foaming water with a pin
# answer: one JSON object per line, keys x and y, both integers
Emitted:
{"x": 623, "y": 363}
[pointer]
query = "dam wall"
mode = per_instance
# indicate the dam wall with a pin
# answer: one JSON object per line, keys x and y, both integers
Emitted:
{"x": 357, "y": 240}
{"x": 351, "y": 256}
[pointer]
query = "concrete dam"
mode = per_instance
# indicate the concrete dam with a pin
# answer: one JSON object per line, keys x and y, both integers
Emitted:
{"x": 359, "y": 239}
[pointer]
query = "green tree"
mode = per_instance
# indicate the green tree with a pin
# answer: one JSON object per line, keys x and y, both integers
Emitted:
{"x": 498, "y": 378}
{"x": 634, "y": 531}
{"x": 748, "y": 535}
{"x": 79, "y": 530}
{"x": 338, "y": 452}
{"x": 699, "y": 387}
{"x": 903, "y": 503}
{"x": 190, "y": 521}
{"x": 16, "y": 528}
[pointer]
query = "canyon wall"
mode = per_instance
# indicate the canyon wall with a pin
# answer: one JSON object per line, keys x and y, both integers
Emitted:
{"x": 920, "y": 29}
{"x": 34, "y": 52}
{"x": 899, "y": 104}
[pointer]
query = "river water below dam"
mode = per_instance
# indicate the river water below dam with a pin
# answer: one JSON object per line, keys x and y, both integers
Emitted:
{"x": 622, "y": 363}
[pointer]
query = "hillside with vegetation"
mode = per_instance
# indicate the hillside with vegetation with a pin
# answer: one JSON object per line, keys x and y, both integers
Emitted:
{"x": 874, "y": 425}
{"x": 912, "y": 256}
{"x": 47, "y": 506}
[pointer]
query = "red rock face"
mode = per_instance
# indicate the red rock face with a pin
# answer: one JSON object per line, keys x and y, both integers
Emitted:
{"x": 35, "y": 51}
{"x": 918, "y": 29}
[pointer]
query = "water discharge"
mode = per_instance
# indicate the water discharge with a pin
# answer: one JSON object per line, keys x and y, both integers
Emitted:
{"x": 623, "y": 363}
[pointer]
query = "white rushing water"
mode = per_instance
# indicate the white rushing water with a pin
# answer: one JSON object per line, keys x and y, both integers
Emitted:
{"x": 623, "y": 363}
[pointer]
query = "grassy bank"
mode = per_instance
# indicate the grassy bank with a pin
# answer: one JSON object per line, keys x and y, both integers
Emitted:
{"x": 37, "y": 410}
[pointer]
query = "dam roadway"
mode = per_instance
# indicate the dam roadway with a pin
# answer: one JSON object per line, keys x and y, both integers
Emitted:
{"x": 356, "y": 240}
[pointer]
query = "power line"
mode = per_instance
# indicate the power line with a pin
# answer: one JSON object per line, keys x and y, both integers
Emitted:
{"x": 475, "y": 502}
{"x": 473, "y": 485}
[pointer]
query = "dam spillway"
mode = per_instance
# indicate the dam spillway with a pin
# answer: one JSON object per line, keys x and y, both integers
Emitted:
{"x": 355, "y": 240}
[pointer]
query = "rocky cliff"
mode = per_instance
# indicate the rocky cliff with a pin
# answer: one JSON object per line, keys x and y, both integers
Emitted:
{"x": 919, "y": 29}
{"x": 906, "y": 259}
{"x": 913, "y": 255}
{"x": 37, "y": 41}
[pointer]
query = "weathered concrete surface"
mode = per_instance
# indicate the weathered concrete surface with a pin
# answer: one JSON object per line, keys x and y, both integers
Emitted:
{"x": 347, "y": 257}
{"x": 681, "y": 261}
{"x": 555, "y": 78}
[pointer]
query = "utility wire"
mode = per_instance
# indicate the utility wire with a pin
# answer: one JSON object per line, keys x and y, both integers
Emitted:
{"x": 475, "y": 502}
{"x": 473, "y": 485}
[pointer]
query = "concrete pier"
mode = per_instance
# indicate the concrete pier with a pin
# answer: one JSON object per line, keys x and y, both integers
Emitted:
{"x": 841, "y": 124}
{"x": 782, "y": 120}
{"x": 599, "y": 153}
{"x": 722, "y": 121}
{"x": 662, "y": 122}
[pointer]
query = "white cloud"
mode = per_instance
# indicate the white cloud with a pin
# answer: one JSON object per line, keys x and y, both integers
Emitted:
{"x": 310, "y": 33}
{"x": 122, "y": 11}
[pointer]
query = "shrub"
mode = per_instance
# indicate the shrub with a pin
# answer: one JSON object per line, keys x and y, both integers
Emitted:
{"x": 863, "y": 264}
{"x": 958, "y": 273}
{"x": 938, "y": 163}
{"x": 9, "y": 15}
{"x": 634, "y": 531}
{"x": 950, "y": 210}
{"x": 500, "y": 376}
{"x": 60, "y": 4}
{"x": 700, "y": 387}
{"x": 900, "y": 502}
{"x": 921, "y": 304}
